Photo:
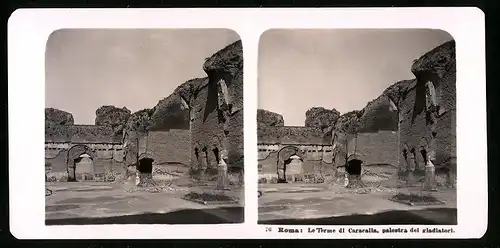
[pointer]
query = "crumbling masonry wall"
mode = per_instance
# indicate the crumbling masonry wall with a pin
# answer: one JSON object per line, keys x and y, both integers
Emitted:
{"x": 313, "y": 148}
{"x": 212, "y": 124}
{"x": 167, "y": 147}
{"x": 416, "y": 131}
{"x": 105, "y": 157}
{"x": 316, "y": 159}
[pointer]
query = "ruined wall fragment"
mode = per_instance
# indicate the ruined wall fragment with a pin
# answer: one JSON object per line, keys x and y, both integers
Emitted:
{"x": 439, "y": 67}
{"x": 211, "y": 126}
{"x": 113, "y": 117}
{"x": 322, "y": 118}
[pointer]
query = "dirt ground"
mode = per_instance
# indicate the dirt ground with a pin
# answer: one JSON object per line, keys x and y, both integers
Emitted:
{"x": 90, "y": 200}
{"x": 317, "y": 201}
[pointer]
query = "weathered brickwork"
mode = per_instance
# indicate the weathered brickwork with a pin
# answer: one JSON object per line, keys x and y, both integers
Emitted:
{"x": 380, "y": 148}
{"x": 417, "y": 126}
{"x": 216, "y": 126}
{"x": 313, "y": 158}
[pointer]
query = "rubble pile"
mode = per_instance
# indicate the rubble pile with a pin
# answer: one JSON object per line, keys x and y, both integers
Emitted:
{"x": 48, "y": 192}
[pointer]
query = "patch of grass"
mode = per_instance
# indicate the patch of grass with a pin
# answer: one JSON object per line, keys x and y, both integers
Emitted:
{"x": 415, "y": 198}
{"x": 207, "y": 197}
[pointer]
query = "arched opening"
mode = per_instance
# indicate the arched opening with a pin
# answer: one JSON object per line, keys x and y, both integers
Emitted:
{"x": 216, "y": 154}
{"x": 145, "y": 165}
{"x": 353, "y": 170}
{"x": 405, "y": 154}
{"x": 81, "y": 158}
{"x": 412, "y": 161}
{"x": 354, "y": 167}
{"x": 293, "y": 169}
{"x": 144, "y": 171}
{"x": 197, "y": 153}
{"x": 406, "y": 163}
{"x": 84, "y": 167}
{"x": 286, "y": 156}
{"x": 423, "y": 152}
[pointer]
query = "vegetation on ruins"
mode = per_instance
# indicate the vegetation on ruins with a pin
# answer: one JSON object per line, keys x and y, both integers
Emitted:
{"x": 112, "y": 117}
{"x": 348, "y": 123}
{"x": 56, "y": 122}
{"x": 167, "y": 114}
{"x": 268, "y": 118}
{"x": 438, "y": 60}
{"x": 140, "y": 121}
{"x": 207, "y": 197}
{"x": 58, "y": 117}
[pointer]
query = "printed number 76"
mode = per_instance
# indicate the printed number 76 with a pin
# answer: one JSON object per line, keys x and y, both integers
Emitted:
{"x": 268, "y": 229}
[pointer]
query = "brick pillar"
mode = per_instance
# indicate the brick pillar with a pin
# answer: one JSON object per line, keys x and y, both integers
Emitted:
{"x": 281, "y": 172}
{"x": 70, "y": 168}
{"x": 203, "y": 165}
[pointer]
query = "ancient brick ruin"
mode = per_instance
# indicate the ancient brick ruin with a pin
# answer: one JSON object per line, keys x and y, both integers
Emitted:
{"x": 194, "y": 126}
{"x": 216, "y": 106}
{"x": 426, "y": 107}
{"x": 94, "y": 152}
{"x": 410, "y": 123}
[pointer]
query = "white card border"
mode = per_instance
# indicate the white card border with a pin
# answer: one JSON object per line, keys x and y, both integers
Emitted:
{"x": 28, "y": 30}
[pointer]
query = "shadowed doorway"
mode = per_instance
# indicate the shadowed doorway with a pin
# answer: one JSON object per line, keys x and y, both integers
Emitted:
{"x": 144, "y": 171}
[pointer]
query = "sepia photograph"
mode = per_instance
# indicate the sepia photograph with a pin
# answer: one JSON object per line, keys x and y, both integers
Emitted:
{"x": 144, "y": 126}
{"x": 357, "y": 127}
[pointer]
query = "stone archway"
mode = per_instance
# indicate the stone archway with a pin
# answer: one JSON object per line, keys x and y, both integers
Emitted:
{"x": 293, "y": 169}
{"x": 284, "y": 158}
{"x": 74, "y": 157}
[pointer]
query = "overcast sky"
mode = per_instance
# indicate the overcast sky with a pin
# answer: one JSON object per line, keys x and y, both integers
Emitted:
{"x": 86, "y": 69}
{"x": 342, "y": 69}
